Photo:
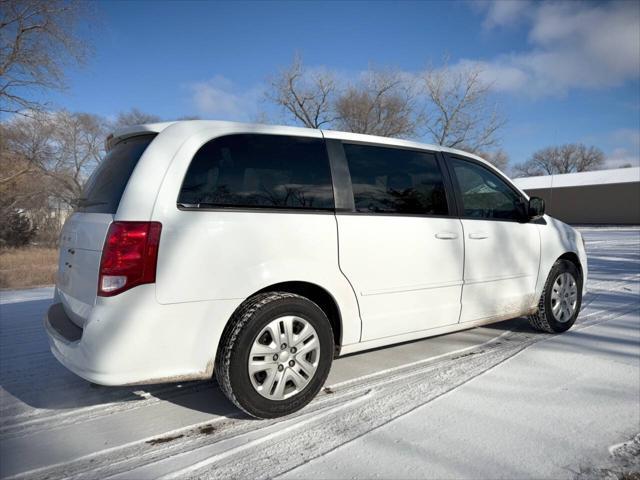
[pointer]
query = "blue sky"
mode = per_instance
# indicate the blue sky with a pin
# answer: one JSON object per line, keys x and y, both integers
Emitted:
{"x": 563, "y": 72}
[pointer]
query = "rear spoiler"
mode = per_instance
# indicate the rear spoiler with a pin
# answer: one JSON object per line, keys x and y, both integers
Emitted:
{"x": 133, "y": 131}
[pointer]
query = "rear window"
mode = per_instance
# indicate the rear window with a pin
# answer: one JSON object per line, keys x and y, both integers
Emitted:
{"x": 259, "y": 171}
{"x": 103, "y": 190}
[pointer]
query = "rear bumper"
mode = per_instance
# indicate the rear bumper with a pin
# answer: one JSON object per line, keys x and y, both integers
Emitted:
{"x": 64, "y": 340}
{"x": 59, "y": 325}
{"x": 131, "y": 339}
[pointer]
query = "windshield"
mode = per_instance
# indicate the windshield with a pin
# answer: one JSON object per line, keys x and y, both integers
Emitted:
{"x": 104, "y": 188}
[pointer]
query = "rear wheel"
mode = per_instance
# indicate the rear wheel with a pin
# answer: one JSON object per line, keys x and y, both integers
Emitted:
{"x": 561, "y": 299}
{"x": 275, "y": 354}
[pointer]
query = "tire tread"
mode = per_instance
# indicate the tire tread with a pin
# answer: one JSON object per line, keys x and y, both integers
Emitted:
{"x": 540, "y": 320}
{"x": 230, "y": 335}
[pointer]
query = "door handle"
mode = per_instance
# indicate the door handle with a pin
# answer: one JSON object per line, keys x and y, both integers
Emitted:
{"x": 478, "y": 236}
{"x": 446, "y": 235}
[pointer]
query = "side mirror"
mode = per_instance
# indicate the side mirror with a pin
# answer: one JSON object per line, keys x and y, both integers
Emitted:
{"x": 536, "y": 207}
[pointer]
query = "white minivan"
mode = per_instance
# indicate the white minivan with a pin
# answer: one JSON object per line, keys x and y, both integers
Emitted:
{"x": 260, "y": 253}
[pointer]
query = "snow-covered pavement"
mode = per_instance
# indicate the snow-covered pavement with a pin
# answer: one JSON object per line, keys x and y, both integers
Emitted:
{"x": 501, "y": 401}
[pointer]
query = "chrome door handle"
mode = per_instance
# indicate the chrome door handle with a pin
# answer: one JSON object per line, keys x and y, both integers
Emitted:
{"x": 446, "y": 235}
{"x": 478, "y": 236}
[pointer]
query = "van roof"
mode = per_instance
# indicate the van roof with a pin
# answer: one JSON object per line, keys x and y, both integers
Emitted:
{"x": 135, "y": 130}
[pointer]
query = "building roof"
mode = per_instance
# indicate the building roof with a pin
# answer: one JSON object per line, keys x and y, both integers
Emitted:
{"x": 597, "y": 177}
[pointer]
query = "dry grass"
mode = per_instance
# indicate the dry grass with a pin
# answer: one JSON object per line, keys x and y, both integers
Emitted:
{"x": 27, "y": 267}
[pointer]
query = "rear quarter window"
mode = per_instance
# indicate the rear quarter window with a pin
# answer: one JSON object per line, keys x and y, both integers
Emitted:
{"x": 259, "y": 171}
{"x": 104, "y": 189}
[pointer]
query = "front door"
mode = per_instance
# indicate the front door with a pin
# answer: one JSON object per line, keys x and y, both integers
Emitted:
{"x": 502, "y": 249}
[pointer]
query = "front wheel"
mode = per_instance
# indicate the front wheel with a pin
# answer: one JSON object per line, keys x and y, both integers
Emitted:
{"x": 561, "y": 299}
{"x": 275, "y": 354}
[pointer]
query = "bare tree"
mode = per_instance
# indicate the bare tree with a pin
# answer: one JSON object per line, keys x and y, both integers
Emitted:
{"x": 498, "y": 158}
{"x": 25, "y": 145}
{"x": 37, "y": 40}
{"x": 458, "y": 109}
{"x": 452, "y": 104}
{"x": 382, "y": 103}
{"x": 134, "y": 117}
{"x": 20, "y": 181}
{"x": 62, "y": 147}
{"x": 45, "y": 159}
{"x": 572, "y": 157}
{"x": 78, "y": 141}
{"x": 306, "y": 96}
{"x": 24, "y": 187}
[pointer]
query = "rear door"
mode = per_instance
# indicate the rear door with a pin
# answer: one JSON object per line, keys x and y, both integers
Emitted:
{"x": 399, "y": 248}
{"x": 502, "y": 250}
{"x": 84, "y": 232}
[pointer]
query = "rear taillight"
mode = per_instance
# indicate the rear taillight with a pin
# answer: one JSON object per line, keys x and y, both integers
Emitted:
{"x": 129, "y": 256}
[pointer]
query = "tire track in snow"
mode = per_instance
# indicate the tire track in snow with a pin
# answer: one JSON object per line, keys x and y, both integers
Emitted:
{"x": 17, "y": 423}
{"x": 386, "y": 397}
{"x": 389, "y": 395}
{"x": 25, "y": 423}
{"x": 409, "y": 392}
{"x": 386, "y": 394}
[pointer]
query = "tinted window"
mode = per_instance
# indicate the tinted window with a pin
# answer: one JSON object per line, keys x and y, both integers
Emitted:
{"x": 484, "y": 194}
{"x": 259, "y": 171}
{"x": 103, "y": 190}
{"x": 389, "y": 180}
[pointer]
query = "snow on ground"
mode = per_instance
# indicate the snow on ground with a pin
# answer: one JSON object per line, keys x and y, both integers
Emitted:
{"x": 499, "y": 401}
{"x": 544, "y": 413}
{"x": 26, "y": 295}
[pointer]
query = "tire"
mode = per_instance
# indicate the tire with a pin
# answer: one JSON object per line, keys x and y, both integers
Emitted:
{"x": 250, "y": 330}
{"x": 545, "y": 320}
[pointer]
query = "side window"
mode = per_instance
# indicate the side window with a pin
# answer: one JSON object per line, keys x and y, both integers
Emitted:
{"x": 252, "y": 170}
{"x": 484, "y": 194}
{"x": 391, "y": 180}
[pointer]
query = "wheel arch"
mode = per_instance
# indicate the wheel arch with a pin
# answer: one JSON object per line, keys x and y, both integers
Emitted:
{"x": 317, "y": 294}
{"x": 573, "y": 258}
